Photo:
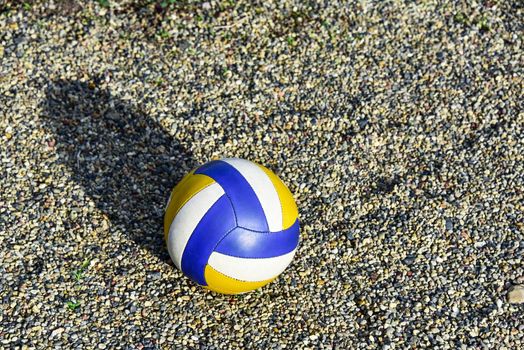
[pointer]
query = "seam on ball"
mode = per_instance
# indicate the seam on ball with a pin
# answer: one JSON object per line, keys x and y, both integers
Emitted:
{"x": 220, "y": 240}
{"x": 232, "y": 207}
{"x": 268, "y": 232}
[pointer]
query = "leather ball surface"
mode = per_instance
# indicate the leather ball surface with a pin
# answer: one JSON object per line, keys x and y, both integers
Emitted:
{"x": 231, "y": 225}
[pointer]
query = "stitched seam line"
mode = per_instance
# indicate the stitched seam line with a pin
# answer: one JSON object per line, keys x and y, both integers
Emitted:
{"x": 268, "y": 232}
{"x": 232, "y": 207}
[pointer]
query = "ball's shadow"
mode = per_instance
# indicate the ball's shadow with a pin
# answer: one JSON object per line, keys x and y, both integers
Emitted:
{"x": 122, "y": 158}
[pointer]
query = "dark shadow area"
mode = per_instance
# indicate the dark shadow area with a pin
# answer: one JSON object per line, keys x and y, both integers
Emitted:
{"x": 124, "y": 160}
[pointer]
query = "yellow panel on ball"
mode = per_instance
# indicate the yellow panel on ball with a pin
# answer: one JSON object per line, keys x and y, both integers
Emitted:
{"x": 221, "y": 283}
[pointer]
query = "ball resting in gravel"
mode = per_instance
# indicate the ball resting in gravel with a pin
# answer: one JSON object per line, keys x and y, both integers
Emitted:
{"x": 231, "y": 226}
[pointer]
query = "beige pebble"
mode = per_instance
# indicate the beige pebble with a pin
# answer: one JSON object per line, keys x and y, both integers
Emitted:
{"x": 516, "y": 295}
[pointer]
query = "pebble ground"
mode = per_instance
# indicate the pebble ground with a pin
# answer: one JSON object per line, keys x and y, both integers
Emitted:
{"x": 398, "y": 125}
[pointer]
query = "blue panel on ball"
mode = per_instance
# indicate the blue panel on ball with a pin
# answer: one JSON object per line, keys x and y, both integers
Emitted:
{"x": 249, "y": 212}
{"x": 218, "y": 221}
{"x": 245, "y": 243}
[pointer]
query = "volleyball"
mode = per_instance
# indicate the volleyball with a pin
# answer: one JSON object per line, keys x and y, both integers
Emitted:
{"x": 231, "y": 225}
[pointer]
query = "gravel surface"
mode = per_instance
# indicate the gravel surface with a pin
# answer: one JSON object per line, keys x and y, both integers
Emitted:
{"x": 398, "y": 125}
